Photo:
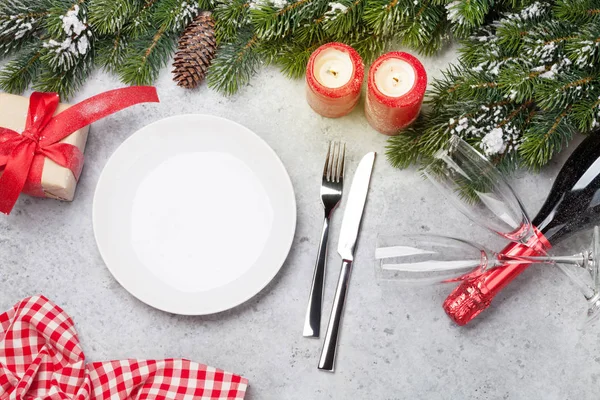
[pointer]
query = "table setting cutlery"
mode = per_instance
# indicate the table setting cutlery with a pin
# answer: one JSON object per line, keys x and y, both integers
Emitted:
{"x": 331, "y": 193}
{"x": 332, "y": 188}
{"x": 346, "y": 248}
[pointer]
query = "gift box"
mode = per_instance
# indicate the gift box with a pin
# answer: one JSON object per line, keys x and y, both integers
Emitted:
{"x": 42, "y": 141}
{"x": 57, "y": 182}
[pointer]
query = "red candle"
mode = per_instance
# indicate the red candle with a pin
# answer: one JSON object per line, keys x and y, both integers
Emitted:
{"x": 334, "y": 77}
{"x": 396, "y": 87}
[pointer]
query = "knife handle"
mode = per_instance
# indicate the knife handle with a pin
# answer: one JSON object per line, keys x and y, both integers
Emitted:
{"x": 327, "y": 361}
{"x": 312, "y": 320}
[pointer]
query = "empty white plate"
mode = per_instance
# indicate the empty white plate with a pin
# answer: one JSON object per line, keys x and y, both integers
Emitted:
{"x": 194, "y": 214}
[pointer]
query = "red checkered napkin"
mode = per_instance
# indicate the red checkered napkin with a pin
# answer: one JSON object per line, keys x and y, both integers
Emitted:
{"x": 40, "y": 358}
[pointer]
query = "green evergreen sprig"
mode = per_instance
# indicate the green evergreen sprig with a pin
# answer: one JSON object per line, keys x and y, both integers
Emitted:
{"x": 19, "y": 73}
{"x": 146, "y": 57}
{"x": 523, "y": 86}
{"x": 112, "y": 51}
{"x": 230, "y": 17}
{"x": 110, "y": 16}
{"x": 238, "y": 61}
{"x": 135, "y": 38}
{"x": 345, "y": 18}
{"x": 20, "y": 23}
{"x": 55, "y": 44}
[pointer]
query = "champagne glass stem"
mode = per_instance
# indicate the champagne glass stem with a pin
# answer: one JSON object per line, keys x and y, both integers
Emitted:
{"x": 580, "y": 259}
{"x": 583, "y": 260}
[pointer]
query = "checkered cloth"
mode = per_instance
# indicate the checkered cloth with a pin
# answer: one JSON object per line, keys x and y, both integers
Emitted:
{"x": 40, "y": 358}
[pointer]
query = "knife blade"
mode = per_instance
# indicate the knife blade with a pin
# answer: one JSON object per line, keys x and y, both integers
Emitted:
{"x": 354, "y": 207}
{"x": 346, "y": 247}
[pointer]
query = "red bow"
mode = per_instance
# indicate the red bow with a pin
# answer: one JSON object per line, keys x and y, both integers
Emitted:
{"x": 23, "y": 155}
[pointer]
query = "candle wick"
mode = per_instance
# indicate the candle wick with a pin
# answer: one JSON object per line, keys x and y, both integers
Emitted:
{"x": 332, "y": 72}
{"x": 396, "y": 80}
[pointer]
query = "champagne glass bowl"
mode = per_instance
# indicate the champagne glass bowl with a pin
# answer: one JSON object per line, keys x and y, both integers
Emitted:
{"x": 478, "y": 190}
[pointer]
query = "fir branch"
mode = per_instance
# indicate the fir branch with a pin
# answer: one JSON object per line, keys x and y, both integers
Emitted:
{"x": 368, "y": 44}
{"x": 271, "y": 22}
{"x": 424, "y": 29}
{"x": 20, "y": 22}
{"x": 526, "y": 105}
{"x": 64, "y": 82}
{"x": 519, "y": 82}
{"x": 584, "y": 51}
{"x": 311, "y": 32}
{"x": 109, "y": 16}
{"x": 271, "y": 51}
{"x": 111, "y": 52}
{"x": 545, "y": 137}
{"x": 70, "y": 37}
{"x": 293, "y": 59}
{"x": 207, "y": 4}
{"x": 344, "y": 19}
{"x": 20, "y": 72}
{"x": 478, "y": 86}
{"x": 467, "y": 15}
{"x": 229, "y": 17}
{"x": 578, "y": 11}
{"x": 404, "y": 149}
{"x": 384, "y": 16}
{"x": 444, "y": 90}
{"x": 434, "y": 138}
{"x": 175, "y": 15}
{"x": 546, "y": 40}
{"x": 141, "y": 23}
{"x": 234, "y": 65}
{"x": 479, "y": 48}
{"x": 146, "y": 57}
{"x": 57, "y": 11}
{"x": 557, "y": 94}
{"x": 586, "y": 113}
{"x": 512, "y": 30}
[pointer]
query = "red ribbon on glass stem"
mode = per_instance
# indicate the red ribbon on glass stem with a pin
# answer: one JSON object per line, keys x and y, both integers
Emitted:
{"x": 474, "y": 295}
{"x": 22, "y": 155}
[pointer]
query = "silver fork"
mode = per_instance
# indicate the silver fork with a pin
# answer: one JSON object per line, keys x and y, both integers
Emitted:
{"x": 331, "y": 194}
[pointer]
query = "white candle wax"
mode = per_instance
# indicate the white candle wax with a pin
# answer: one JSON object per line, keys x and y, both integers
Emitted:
{"x": 333, "y": 68}
{"x": 395, "y": 77}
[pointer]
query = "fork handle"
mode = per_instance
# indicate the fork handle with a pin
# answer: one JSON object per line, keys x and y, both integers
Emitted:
{"x": 327, "y": 361}
{"x": 312, "y": 321}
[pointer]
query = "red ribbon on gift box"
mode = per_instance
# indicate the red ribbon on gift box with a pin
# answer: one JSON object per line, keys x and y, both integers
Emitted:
{"x": 22, "y": 155}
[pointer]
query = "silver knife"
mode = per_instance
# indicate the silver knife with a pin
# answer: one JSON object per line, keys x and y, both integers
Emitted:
{"x": 347, "y": 244}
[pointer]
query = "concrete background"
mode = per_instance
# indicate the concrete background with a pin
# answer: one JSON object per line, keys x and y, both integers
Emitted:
{"x": 397, "y": 343}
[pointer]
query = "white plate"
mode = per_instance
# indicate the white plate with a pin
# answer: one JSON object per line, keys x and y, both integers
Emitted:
{"x": 194, "y": 214}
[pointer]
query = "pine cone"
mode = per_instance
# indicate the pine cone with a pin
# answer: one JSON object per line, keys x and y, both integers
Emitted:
{"x": 197, "y": 46}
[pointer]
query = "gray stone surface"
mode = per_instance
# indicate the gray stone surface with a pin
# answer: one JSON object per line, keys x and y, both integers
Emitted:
{"x": 396, "y": 342}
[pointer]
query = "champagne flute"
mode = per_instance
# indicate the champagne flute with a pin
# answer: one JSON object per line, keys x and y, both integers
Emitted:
{"x": 479, "y": 191}
{"x": 423, "y": 259}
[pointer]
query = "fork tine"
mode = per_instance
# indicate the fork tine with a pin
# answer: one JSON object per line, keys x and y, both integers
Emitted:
{"x": 336, "y": 157}
{"x": 327, "y": 161}
{"x": 337, "y": 162}
{"x": 342, "y": 164}
{"x": 331, "y": 162}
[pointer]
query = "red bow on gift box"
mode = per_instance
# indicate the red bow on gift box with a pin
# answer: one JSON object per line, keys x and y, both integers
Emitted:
{"x": 22, "y": 155}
